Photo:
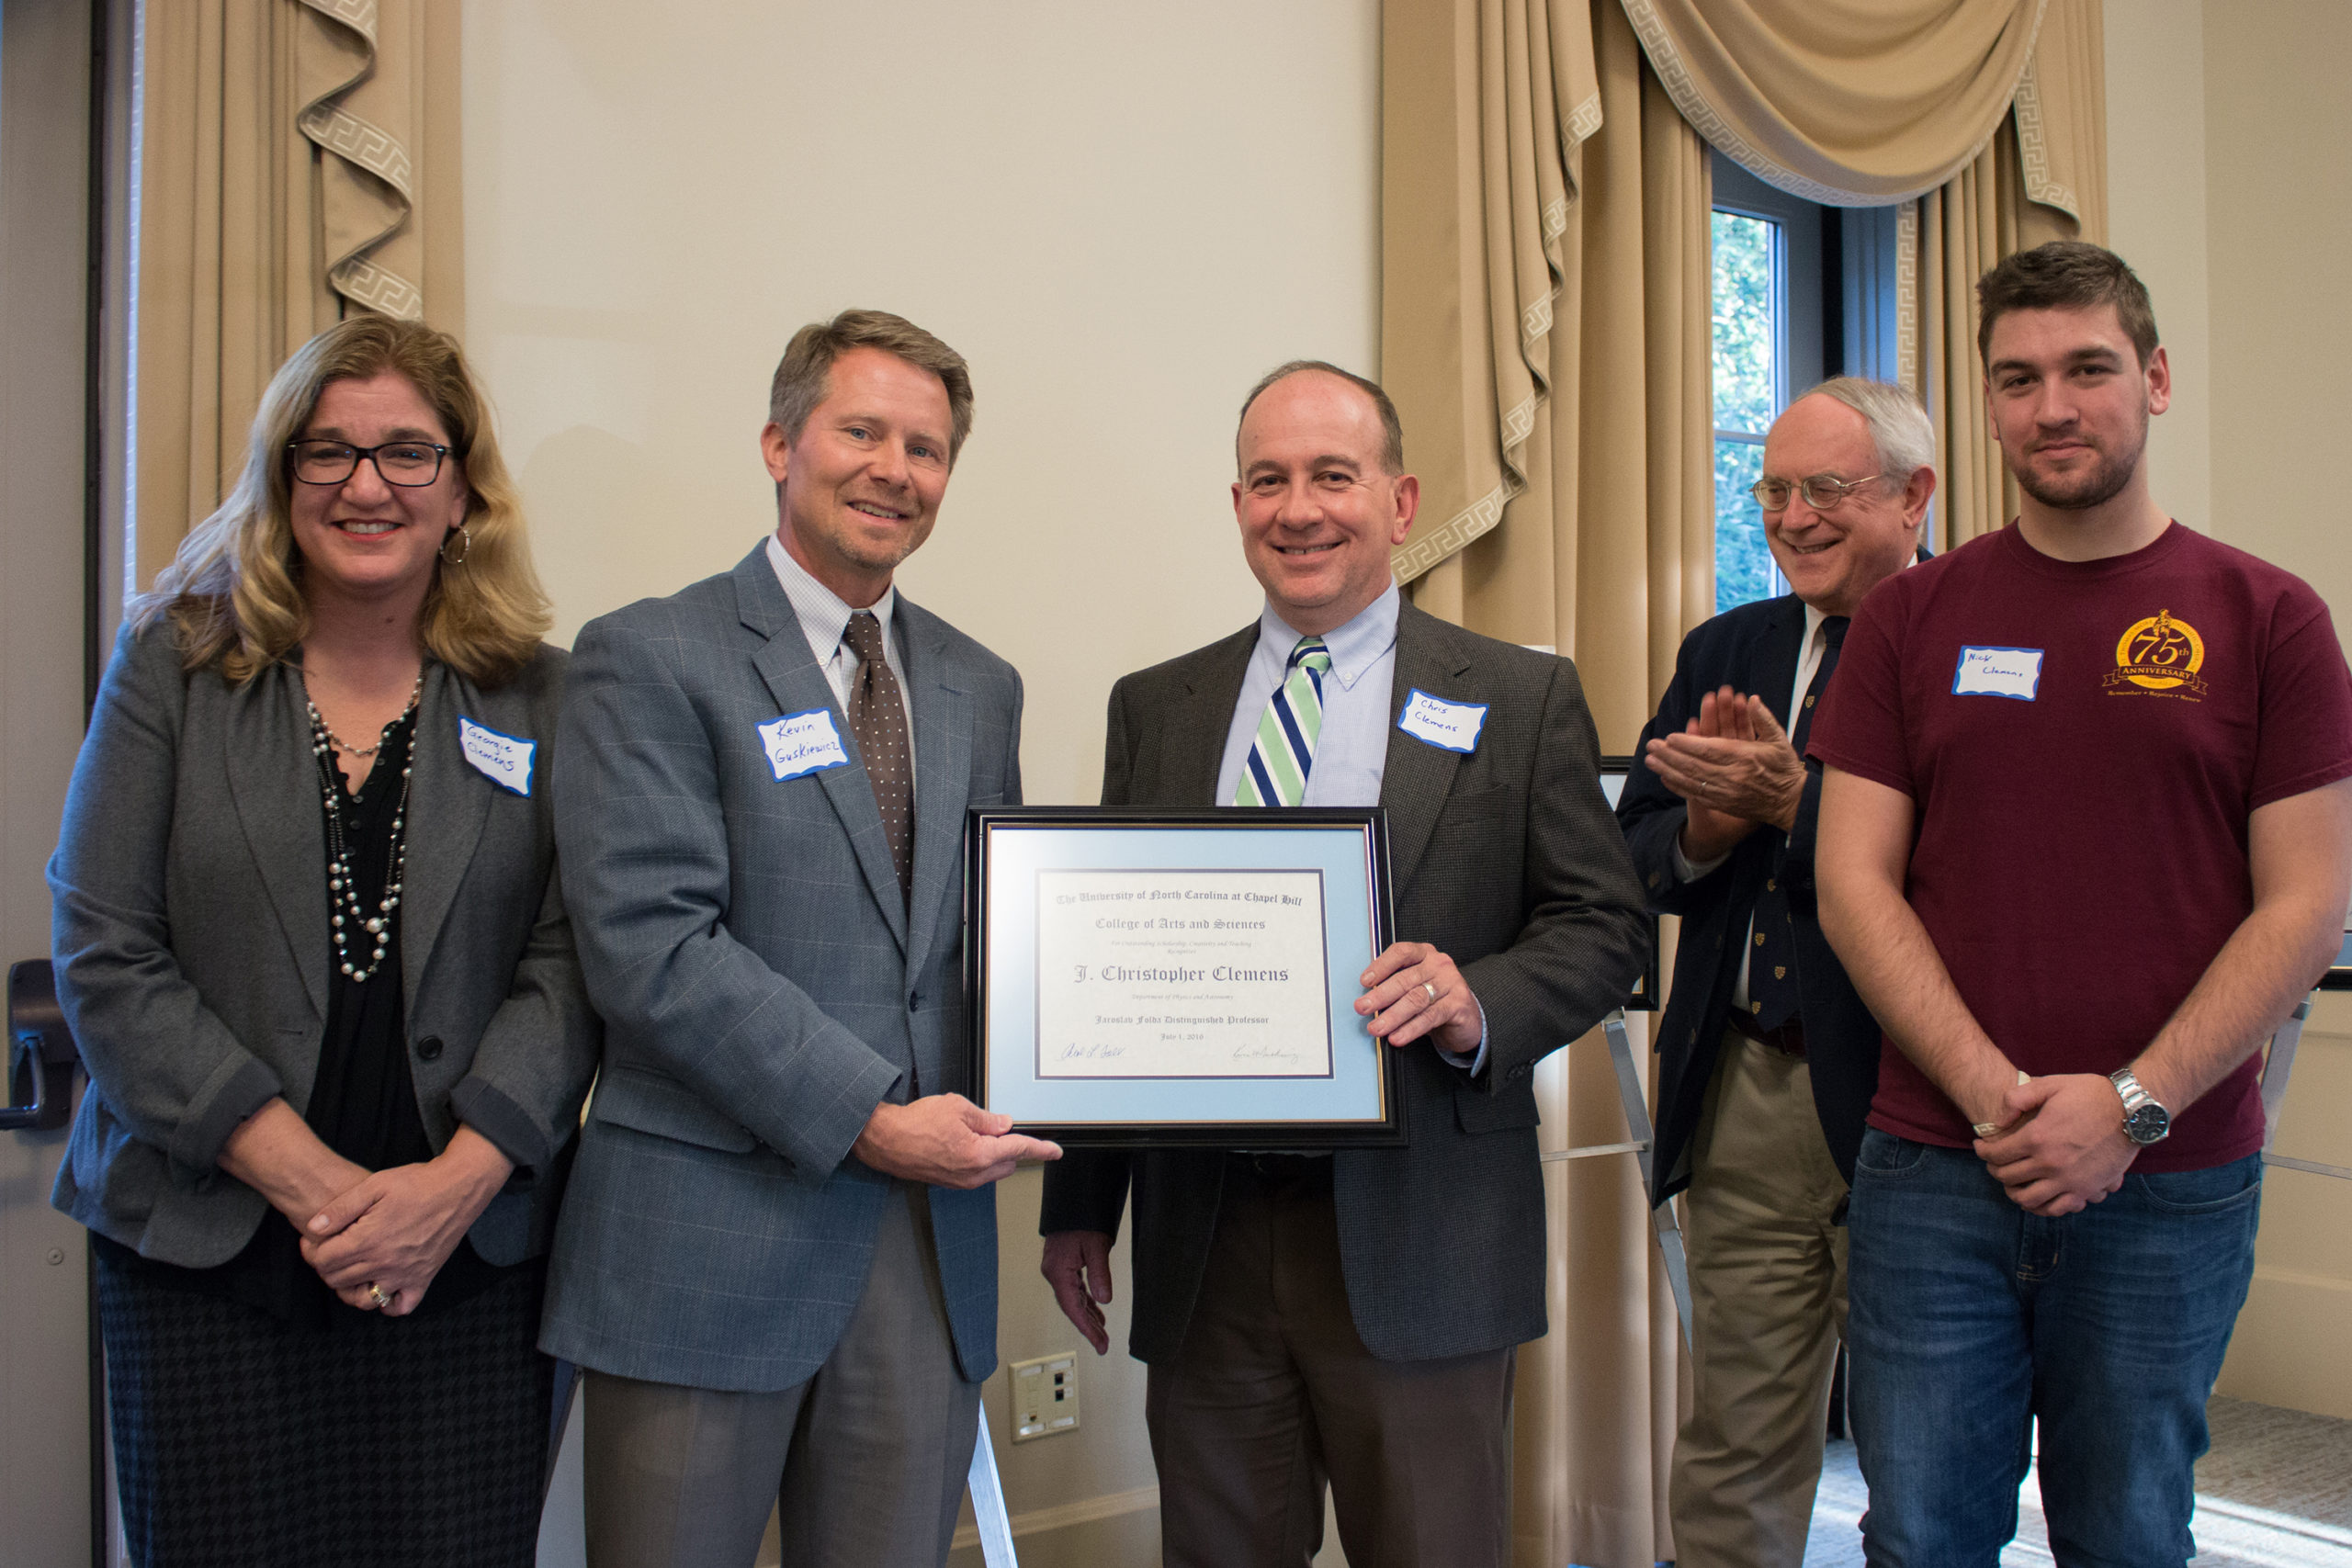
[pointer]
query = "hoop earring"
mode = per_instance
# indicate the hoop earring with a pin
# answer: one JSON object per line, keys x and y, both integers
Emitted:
{"x": 466, "y": 540}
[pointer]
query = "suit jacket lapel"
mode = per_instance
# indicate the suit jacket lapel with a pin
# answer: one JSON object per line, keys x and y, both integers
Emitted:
{"x": 941, "y": 712}
{"x": 1776, "y": 657}
{"x": 448, "y": 803}
{"x": 790, "y": 671}
{"x": 274, "y": 780}
{"x": 1199, "y": 722}
{"x": 1418, "y": 776}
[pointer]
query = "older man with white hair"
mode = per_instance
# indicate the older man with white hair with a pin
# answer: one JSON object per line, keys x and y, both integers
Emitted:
{"x": 1768, "y": 1059}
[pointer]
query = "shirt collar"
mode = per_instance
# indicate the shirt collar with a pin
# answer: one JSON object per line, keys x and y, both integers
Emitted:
{"x": 824, "y": 614}
{"x": 1355, "y": 646}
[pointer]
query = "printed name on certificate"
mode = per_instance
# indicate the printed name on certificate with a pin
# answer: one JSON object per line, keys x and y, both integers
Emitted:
{"x": 1182, "y": 975}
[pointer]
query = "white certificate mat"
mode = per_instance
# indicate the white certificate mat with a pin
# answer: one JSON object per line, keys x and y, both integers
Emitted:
{"x": 1163, "y": 974}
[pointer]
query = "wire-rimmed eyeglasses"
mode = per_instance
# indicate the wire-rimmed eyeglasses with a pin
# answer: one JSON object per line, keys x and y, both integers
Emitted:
{"x": 1821, "y": 491}
{"x": 412, "y": 463}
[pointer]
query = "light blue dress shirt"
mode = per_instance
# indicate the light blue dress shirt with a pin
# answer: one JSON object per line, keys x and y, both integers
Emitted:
{"x": 824, "y": 616}
{"x": 1352, "y": 754}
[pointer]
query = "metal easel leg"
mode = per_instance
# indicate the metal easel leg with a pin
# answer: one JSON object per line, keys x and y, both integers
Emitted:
{"x": 987, "y": 1502}
{"x": 1637, "y": 1122}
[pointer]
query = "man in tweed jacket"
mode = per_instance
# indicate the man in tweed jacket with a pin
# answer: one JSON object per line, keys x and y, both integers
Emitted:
{"x": 777, "y": 1258}
{"x": 1356, "y": 1316}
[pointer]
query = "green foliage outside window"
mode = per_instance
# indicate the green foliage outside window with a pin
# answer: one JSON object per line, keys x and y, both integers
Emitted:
{"x": 1744, "y": 335}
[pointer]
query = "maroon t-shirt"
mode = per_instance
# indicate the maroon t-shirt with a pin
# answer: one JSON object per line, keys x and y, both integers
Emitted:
{"x": 2084, "y": 741}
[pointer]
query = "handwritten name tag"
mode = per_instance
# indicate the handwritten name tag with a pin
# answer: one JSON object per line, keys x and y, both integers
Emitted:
{"x": 504, "y": 759}
{"x": 803, "y": 743}
{"x": 1433, "y": 721}
{"x": 1997, "y": 672}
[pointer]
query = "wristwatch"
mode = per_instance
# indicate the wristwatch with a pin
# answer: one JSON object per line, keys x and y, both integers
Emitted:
{"x": 2145, "y": 1121}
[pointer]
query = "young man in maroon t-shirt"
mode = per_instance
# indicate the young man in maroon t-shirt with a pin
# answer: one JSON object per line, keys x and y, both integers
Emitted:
{"x": 2086, "y": 840}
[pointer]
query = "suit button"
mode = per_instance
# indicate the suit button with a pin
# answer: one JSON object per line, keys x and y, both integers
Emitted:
{"x": 914, "y": 1001}
{"x": 429, "y": 1048}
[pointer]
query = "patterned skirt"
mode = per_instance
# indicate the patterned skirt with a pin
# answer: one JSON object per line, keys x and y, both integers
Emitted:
{"x": 403, "y": 1443}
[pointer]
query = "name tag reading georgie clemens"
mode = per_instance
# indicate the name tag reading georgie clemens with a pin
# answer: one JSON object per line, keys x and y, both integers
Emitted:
{"x": 803, "y": 743}
{"x": 1997, "y": 672}
{"x": 504, "y": 759}
{"x": 1433, "y": 721}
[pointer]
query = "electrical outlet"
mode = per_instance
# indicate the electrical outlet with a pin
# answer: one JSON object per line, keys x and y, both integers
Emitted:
{"x": 1045, "y": 1396}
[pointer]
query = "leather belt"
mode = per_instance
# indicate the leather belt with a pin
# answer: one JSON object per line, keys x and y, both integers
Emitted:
{"x": 1788, "y": 1039}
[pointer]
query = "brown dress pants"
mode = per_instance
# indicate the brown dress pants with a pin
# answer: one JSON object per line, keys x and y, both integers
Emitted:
{"x": 1273, "y": 1395}
{"x": 1767, "y": 1299}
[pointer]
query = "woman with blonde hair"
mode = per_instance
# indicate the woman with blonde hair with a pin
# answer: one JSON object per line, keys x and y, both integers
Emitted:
{"x": 310, "y": 939}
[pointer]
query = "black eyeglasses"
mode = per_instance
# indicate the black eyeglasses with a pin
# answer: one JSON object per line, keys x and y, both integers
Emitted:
{"x": 412, "y": 463}
{"x": 1821, "y": 491}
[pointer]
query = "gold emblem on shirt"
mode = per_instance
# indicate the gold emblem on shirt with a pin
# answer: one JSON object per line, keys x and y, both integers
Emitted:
{"x": 2159, "y": 653}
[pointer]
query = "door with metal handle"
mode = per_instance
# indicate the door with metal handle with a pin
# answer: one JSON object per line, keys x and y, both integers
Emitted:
{"x": 41, "y": 1057}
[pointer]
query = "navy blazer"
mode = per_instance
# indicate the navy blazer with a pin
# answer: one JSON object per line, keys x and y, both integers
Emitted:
{"x": 764, "y": 984}
{"x": 1506, "y": 860}
{"x": 1753, "y": 649}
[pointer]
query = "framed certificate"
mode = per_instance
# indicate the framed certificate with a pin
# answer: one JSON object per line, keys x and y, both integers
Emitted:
{"x": 1179, "y": 976}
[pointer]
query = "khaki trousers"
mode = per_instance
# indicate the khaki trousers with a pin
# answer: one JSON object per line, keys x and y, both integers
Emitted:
{"x": 1273, "y": 1392}
{"x": 1768, "y": 1296}
{"x": 866, "y": 1459}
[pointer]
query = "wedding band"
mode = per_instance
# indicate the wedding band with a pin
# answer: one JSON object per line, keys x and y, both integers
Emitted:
{"x": 1431, "y": 988}
{"x": 383, "y": 1300}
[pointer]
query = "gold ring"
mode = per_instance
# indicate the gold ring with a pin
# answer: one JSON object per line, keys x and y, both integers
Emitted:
{"x": 382, "y": 1301}
{"x": 1430, "y": 987}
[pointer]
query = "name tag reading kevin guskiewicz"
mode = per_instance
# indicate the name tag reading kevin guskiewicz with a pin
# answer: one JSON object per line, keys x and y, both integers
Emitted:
{"x": 1181, "y": 975}
{"x": 803, "y": 743}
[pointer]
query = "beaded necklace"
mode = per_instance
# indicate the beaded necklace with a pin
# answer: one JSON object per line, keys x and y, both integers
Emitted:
{"x": 349, "y": 917}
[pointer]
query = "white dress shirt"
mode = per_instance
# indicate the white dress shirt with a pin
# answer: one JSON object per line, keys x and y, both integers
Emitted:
{"x": 824, "y": 616}
{"x": 1352, "y": 752}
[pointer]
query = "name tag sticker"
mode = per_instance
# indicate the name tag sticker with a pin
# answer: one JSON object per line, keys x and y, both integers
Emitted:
{"x": 1433, "y": 721}
{"x": 1997, "y": 672}
{"x": 803, "y": 743}
{"x": 504, "y": 759}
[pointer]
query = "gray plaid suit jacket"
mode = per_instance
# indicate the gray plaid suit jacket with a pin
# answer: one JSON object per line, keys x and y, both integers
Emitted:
{"x": 763, "y": 986}
{"x": 1508, "y": 860}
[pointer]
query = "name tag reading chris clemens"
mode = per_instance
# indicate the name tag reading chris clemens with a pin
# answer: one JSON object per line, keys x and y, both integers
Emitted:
{"x": 1433, "y": 721}
{"x": 504, "y": 759}
{"x": 1997, "y": 672}
{"x": 803, "y": 743}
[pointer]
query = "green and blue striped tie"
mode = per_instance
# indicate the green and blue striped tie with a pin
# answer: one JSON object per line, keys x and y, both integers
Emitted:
{"x": 1284, "y": 753}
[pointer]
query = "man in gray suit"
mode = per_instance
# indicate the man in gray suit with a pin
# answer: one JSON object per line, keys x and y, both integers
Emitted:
{"x": 778, "y": 1256}
{"x": 1356, "y": 1317}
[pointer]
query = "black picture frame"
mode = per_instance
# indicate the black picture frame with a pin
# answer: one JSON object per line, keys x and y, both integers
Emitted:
{"x": 1614, "y": 772}
{"x": 1006, "y": 1072}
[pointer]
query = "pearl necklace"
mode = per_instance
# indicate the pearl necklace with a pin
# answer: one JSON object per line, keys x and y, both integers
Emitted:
{"x": 349, "y": 917}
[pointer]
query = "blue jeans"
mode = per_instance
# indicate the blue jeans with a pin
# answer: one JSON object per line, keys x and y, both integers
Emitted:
{"x": 1969, "y": 1318}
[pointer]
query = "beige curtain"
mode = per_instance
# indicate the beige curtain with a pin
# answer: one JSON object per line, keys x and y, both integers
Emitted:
{"x": 2043, "y": 177}
{"x": 1851, "y": 103}
{"x": 1544, "y": 333}
{"x": 300, "y": 160}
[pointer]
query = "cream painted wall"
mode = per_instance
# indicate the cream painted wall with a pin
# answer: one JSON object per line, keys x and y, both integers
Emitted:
{"x": 1120, "y": 215}
{"x": 2230, "y": 186}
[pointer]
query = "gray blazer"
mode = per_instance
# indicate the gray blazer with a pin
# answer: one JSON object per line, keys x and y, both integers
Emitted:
{"x": 190, "y": 937}
{"x": 763, "y": 986}
{"x": 1507, "y": 859}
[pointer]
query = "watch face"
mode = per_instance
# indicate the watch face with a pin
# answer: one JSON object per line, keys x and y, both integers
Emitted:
{"x": 2148, "y": 1123}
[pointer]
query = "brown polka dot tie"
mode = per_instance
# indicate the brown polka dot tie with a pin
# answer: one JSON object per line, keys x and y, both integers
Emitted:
{"x": 879, "y": 719}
